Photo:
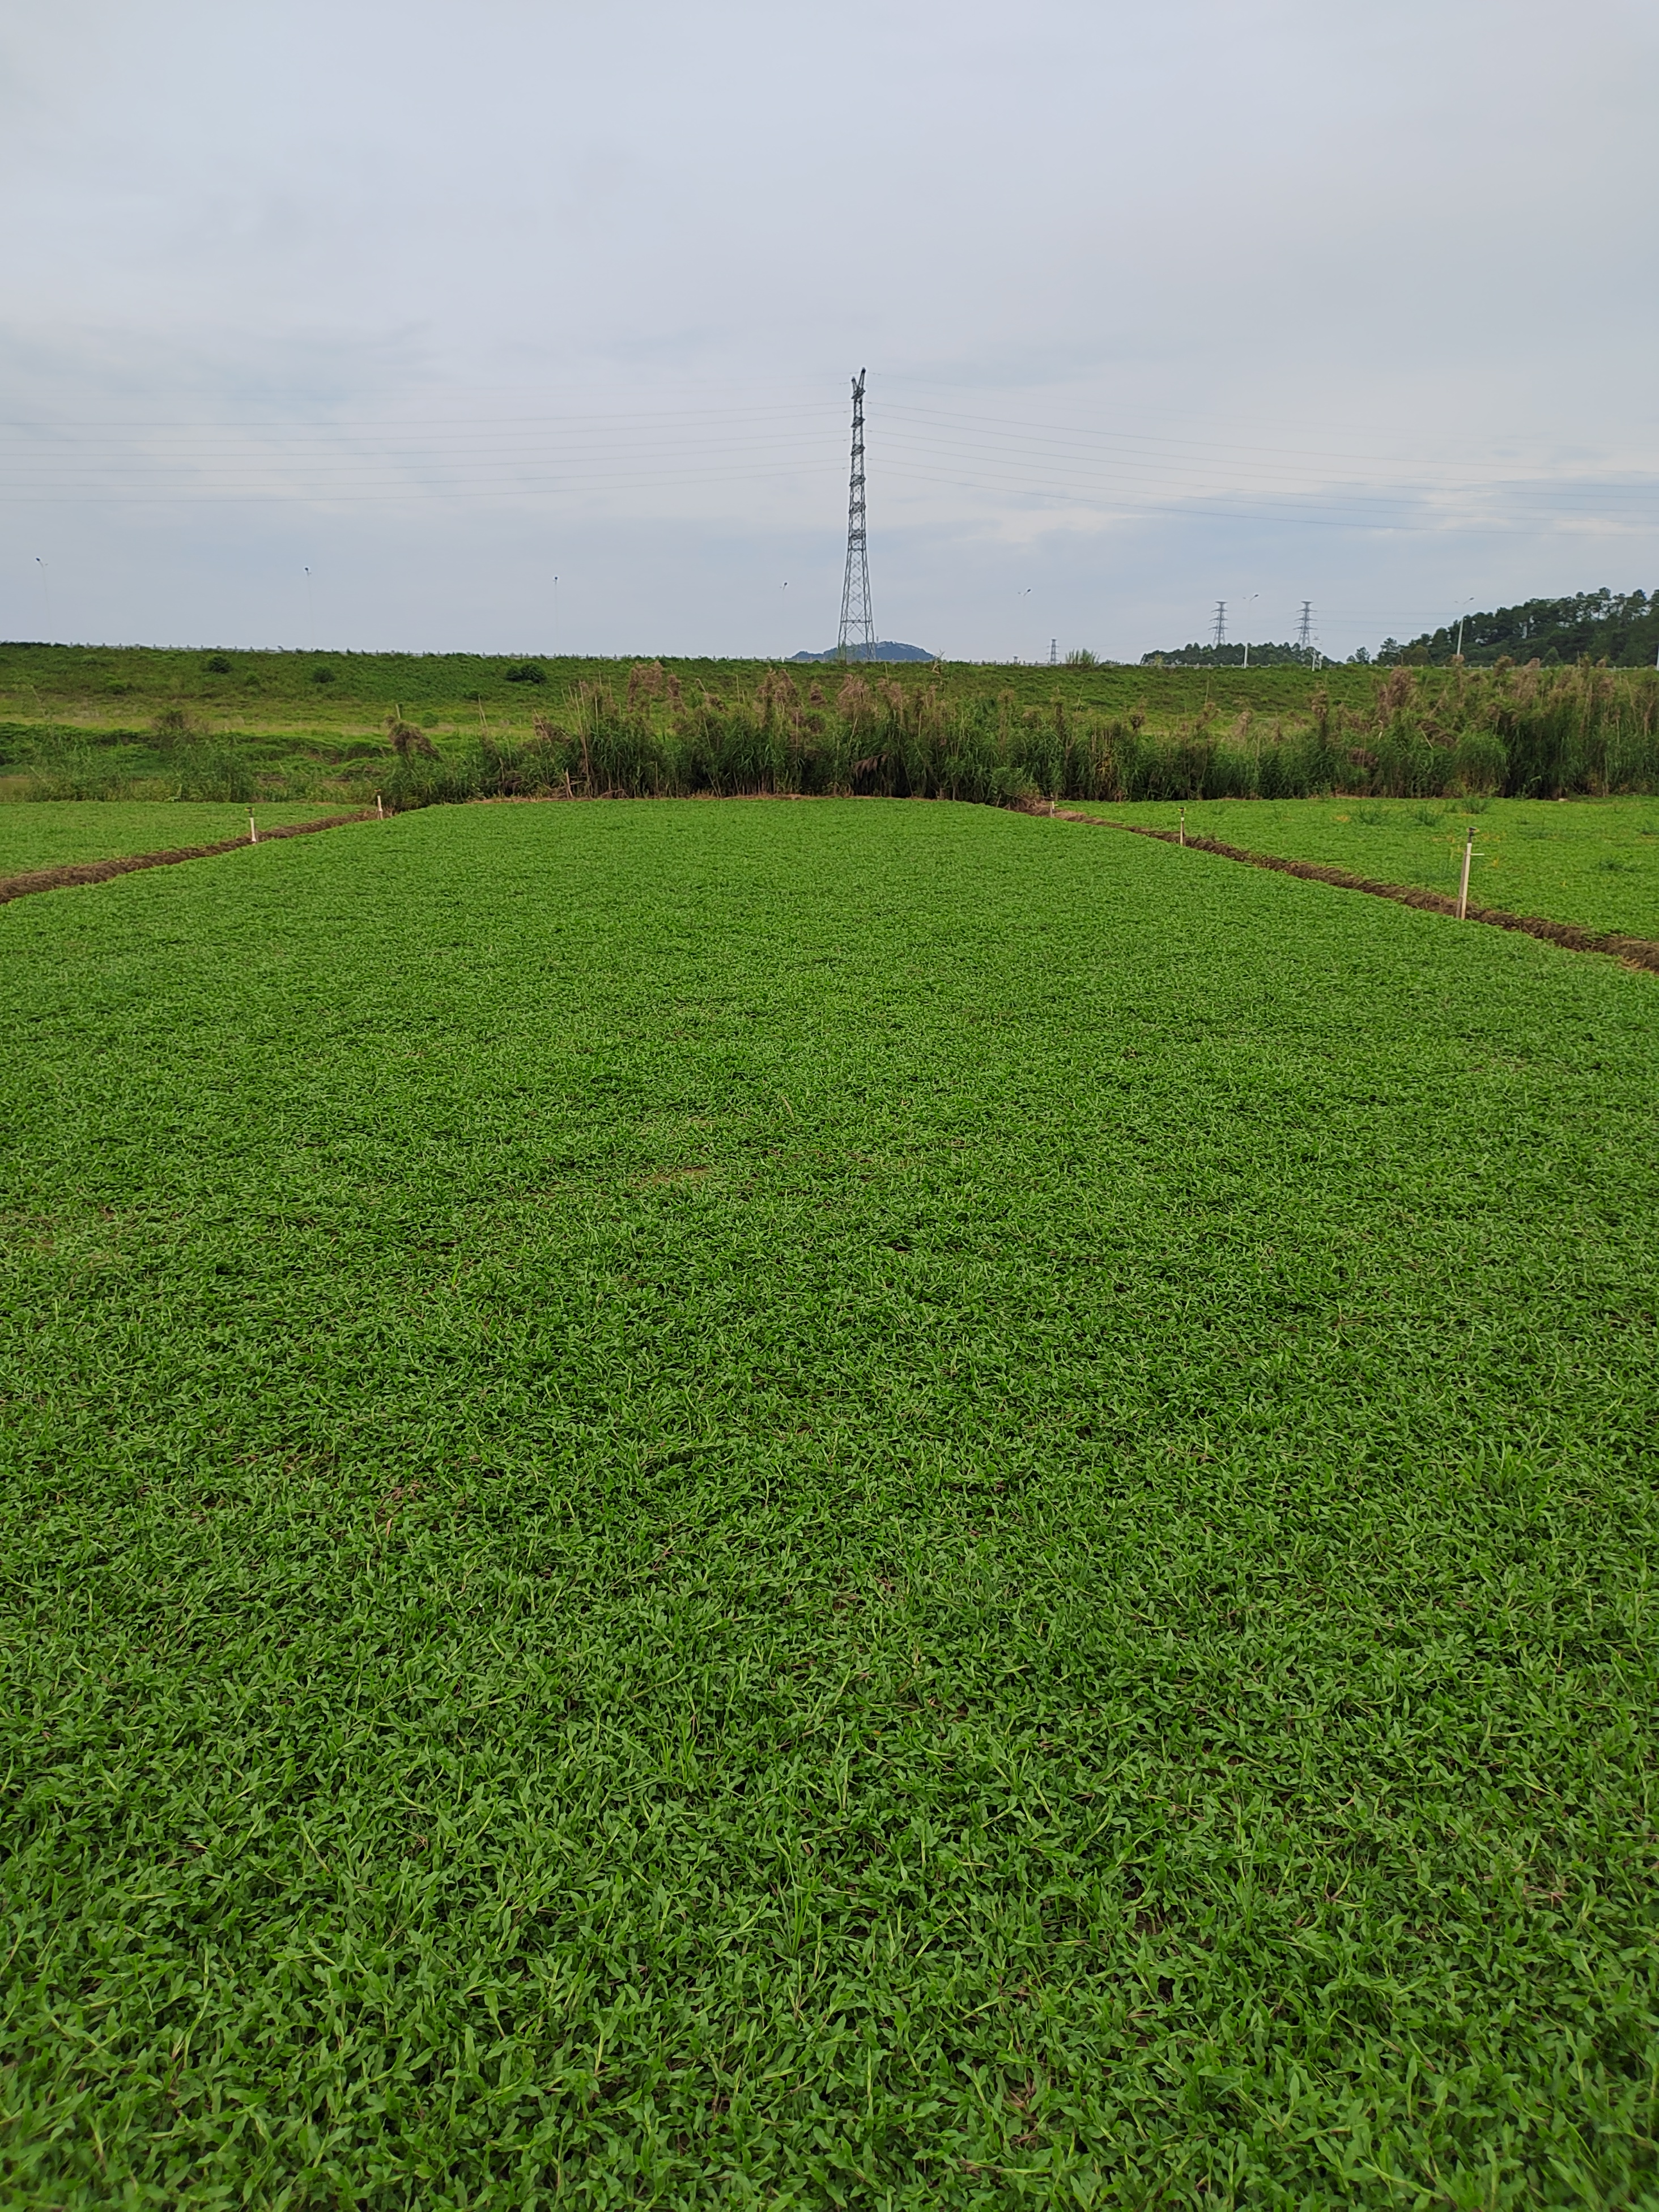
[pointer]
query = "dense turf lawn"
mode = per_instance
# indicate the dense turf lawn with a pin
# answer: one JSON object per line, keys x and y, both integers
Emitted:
{"x": 56, "y": 833}
{"x": 1590, "y": 860}
{"x": 810, "y": 1504}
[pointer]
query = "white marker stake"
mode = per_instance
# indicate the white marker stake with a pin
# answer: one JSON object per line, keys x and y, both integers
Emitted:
{"x": 252, "y": 833}
{"x": 378, "y": 810}
{"x": 1184, "y": 825}
{"x": 1463, "y": 888}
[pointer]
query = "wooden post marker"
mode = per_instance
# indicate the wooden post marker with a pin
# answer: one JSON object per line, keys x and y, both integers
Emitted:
{"x": 252, "y": 830}
{"x": 1463, "y": 887}
{"x": 1184, "y": 825}
{"x": 380, "y": 811}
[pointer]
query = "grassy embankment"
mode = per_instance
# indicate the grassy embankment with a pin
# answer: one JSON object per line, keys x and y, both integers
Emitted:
{"x": 81, "y": 725}
{"x": 108, "y": 689}
{"x": 1595, "y": 862}
{"x": 838, "y": 1504}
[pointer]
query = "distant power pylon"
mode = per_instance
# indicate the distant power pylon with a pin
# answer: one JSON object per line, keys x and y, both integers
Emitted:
{"x": 1304, "y": 627}
{"x": 1054, "y": 652}
{"x": 858, "y": 620}
{"x": 1220, "y": 621}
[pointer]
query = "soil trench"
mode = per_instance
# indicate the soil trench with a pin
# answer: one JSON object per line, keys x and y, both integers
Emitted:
{"x": 1634, "y": 951}
{"x": 125, "y": 864}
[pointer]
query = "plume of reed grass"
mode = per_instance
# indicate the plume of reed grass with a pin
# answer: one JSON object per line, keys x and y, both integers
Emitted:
{"x": 1518, "y": 731}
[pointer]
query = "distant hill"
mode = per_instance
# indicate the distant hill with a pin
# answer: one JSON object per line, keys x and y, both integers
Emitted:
{"x": 1619, "y": 627}
{"x": 886, "y": 650}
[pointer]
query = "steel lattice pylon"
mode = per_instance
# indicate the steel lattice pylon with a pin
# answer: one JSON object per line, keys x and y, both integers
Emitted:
{"x": 858, "y": 620}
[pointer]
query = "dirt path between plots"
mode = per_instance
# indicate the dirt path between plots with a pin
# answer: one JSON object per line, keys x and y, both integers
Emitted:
{"x": 1634, "y": 951}
{"x": 123, "y": 864}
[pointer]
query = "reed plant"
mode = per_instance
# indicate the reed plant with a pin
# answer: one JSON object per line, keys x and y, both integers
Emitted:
{"x": 1519, "y": 733}
{"x": 62, "y": 765}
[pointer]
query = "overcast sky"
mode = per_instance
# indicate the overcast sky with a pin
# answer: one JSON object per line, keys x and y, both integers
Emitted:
{"x": 1266, "y": 302}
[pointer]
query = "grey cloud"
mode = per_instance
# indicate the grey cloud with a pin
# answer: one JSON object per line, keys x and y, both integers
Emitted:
{"x": 1305, "y": 256}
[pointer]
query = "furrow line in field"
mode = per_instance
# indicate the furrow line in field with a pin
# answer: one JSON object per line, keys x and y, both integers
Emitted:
{"x": 123, "y": 864}
{"x": 1635, "y": 951}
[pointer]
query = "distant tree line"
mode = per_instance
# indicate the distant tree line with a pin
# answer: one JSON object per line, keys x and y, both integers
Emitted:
{"x": 1621, "y": 628}
{"x": 1233, "y": 656}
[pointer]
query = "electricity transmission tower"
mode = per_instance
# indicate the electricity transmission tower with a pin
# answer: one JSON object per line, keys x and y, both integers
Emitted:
{"x": 858, "y": 620}
{"x": 1220, "y": 621}
{"x": 1304, "y": 627}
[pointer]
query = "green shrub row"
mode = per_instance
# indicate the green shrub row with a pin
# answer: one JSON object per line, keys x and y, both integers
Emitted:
{"x": 1526, "y": 734}
{"x": 64, "y": 767}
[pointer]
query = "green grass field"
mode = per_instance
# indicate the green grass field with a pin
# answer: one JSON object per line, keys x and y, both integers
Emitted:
{"x": 55, "y": 833}
{"x": 105, "y": 689}
{"x": 840, "y": 1503}
{"x": 1590, "y": 860}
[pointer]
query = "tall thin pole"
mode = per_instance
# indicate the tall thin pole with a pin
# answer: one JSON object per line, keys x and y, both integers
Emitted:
{"x": 1220, "y": 621}
{"x": 858, "y": 622}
